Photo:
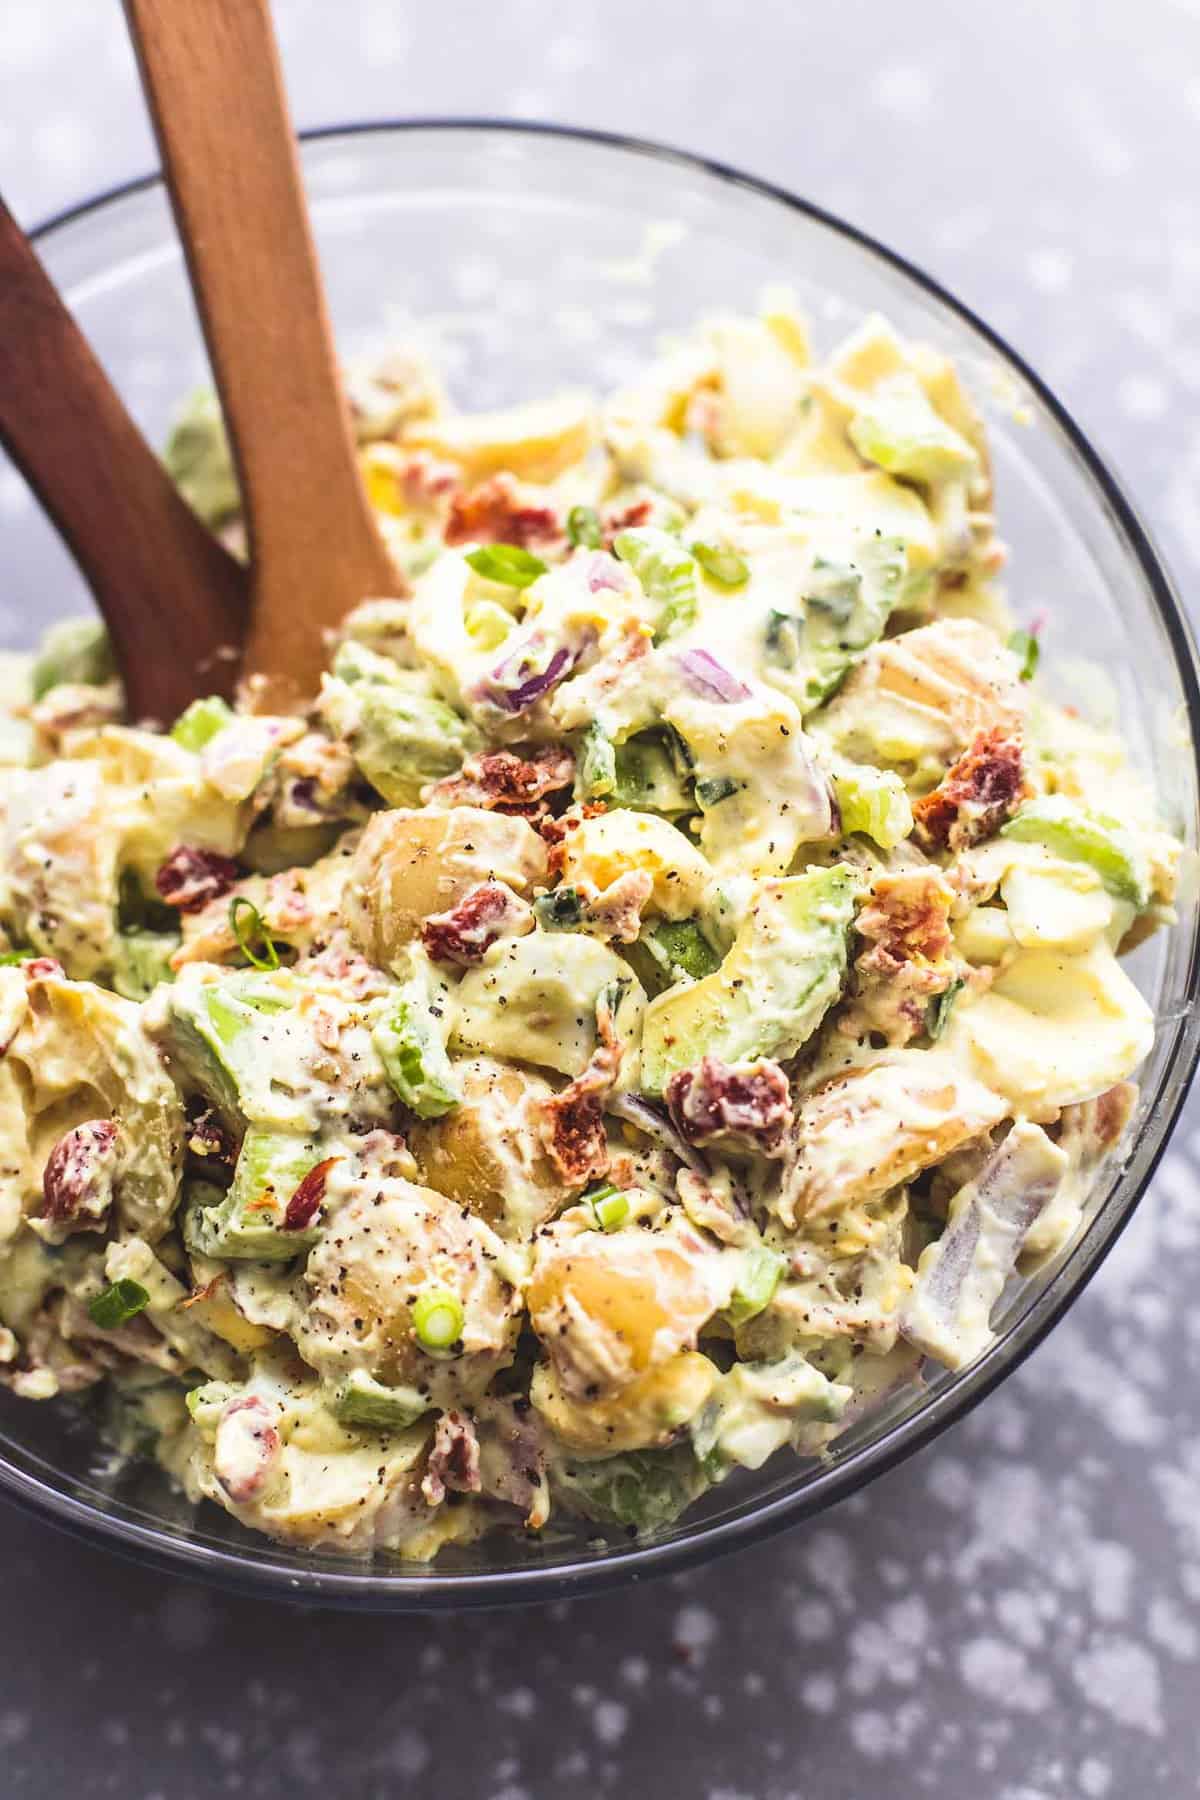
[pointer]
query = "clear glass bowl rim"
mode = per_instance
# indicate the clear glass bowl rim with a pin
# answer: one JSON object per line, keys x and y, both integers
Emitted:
{"x": 366, "y": 1587}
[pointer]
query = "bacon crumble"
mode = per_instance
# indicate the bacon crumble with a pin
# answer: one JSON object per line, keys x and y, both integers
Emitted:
{"x": 976, "y": 794}
{"x": 748, "y": 1100}
{"x": 467, "y": 931}
{"x": 190, "y": 879}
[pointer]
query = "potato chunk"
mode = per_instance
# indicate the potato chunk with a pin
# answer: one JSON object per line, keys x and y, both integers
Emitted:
{"x": 411, "y": 864}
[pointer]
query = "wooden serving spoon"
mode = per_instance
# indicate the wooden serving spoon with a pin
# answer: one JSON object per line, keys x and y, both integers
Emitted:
{"x": 173, "y": 599}
{"x": 215, "y": 89}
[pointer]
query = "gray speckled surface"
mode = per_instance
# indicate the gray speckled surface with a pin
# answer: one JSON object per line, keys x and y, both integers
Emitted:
{"x": 1016, "y": 1614}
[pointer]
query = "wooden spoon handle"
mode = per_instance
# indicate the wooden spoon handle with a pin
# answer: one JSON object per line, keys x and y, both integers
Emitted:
{"x": 215, "y": 88}
{"x": 173, "y": 599}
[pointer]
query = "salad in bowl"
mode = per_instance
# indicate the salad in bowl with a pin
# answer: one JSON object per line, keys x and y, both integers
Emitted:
{"x": 662, "y": 991}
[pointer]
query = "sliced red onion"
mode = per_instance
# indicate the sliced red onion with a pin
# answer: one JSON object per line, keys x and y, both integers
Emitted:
{"x": 961, "y": 1276}
{"x": 656, "y": 1123}
{"x": 517, "y": 682}
{"x": 605, "y": 572}
{"x": 709, "y": 679}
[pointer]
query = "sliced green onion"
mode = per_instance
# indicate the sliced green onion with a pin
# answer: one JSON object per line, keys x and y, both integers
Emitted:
{"x": 507, "y": 564}
{"x": 201, "y": 722}
{"x": 11, "y": 957}
{"x": 609, "y": 1206}
{"x": 1027, "y": 650}
{"x": 937, "y": 1013}
{"x": 712, "y": 789}
{"x": 250, "y": 931}
{"x": 123, "y": 1301}
{"x": 723, "y": 565}
{"x": 583, "y": 527}
{"x": 761, "y": 1270}
{"x": 438, "y": 1318}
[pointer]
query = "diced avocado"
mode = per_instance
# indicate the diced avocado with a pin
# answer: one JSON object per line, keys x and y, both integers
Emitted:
{"x": 76, "y": 651}
{"x": 199, "y": 460}
{"x": 412, "y": 1049}
{"x": 246, "y": 1224}
{"x": 401, "y": 738}
{"x": 1072, "y": 832}
{"x": 669, "y": 575}
{"x": 210, "y": 1035}
{"x": 141, "y": 959}
{"x": 643, "y": 1488}
{"x": 201, "y": 722}
{"x": 784, "y": 971}
{"x": 897, "y": 428}
{"x": 874, "y": 801}
{"x": 642, "y": 773}
{"x": 360, "y": 1400}
{"x": 844, "y": 607}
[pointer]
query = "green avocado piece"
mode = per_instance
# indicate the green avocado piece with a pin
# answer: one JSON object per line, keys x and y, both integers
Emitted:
{"x": 210, "y": 1036}
{"x": 77, "y": 650}
{"x": 402, "y": 738}
{"x": 782, "y": 974}
{"x": 246, "y": 1224}
{"x": 898, "y": 429}
{"x": 361, "y": 1400}
{"x": 1080, "y": 836}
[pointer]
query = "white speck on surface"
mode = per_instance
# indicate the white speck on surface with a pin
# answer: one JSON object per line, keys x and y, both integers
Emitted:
{"x": 1142, "y": 397}
{"x": 1095, "y": 1778}
{"x": 694, "y": 1629}
{"x": 610, "y": 1721}
{"x": 1050, "y": 270}
{"x": 905, "y": 89}
{"x": 1003, "y": 1674}
{"x": 1121, "y": 1677}
{"x": 1172, "y": 1629}
{"x": 813, "y": 1620}
{"x": 819, "y": 1693}
{"x": 1020, "y": 1615}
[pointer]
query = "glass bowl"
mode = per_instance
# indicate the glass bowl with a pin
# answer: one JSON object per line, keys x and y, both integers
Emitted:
{"x": 532, "y": 257}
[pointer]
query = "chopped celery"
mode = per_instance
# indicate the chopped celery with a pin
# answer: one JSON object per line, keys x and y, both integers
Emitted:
{"x": 680, "y": 946}
{"x": 667, "y": 572}
{"x": 75, "y": 651}
{"x": 247, "y": 1223}
{"x": 762, "y": 1268}
{"x": 874, "y": 801}
{"x": 559, "y": 910}
{"x": 202, "y": 721}
{"x": 1071, "y": 832}
{"x": 360, "y": 1400}
{"x": 722, "y": 565}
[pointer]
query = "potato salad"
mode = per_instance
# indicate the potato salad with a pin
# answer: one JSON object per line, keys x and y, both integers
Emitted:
{"x": 664, "y": 989}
